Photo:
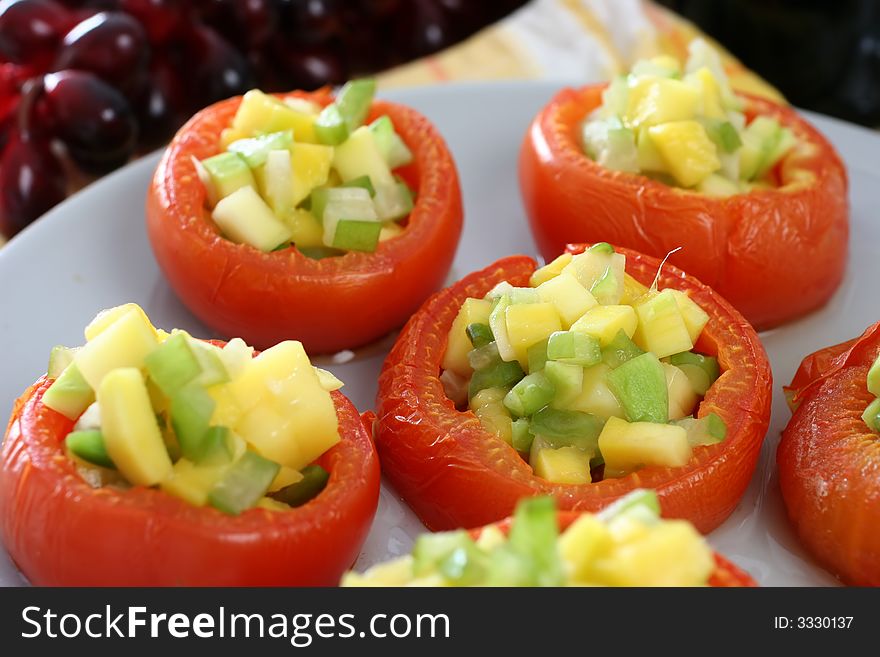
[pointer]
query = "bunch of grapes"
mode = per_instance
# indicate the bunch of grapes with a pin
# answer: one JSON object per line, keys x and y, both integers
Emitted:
{"x": 85, "y": 85}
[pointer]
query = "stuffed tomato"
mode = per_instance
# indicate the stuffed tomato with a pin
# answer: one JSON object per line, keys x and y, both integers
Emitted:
{"x": 145, "y": 458}
{"x": 665, "y": 158}
{"x": 277, "y": 218}
{"x": 627, "y": 544}
{"x": 583, "y": 380}
{"x": 829, "y": 457}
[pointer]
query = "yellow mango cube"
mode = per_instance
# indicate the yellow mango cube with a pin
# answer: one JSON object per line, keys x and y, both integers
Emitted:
{"x": 285, "y": 477}
{"x": 131, "y": 433}
{"x": 192, "y": 483}
{"x": 488, "y": 406}
{"x": 123, "y": 343}
{"x": 473, "y": 311}
{"x": 628, "y": 446}
{"x": 270, "y": 433}
{"x": 686, "y": 149}
{"x": 695, "y": 318}
{"x": 305, "y": 230}
{"x": 632, "y": 290}
{"x": 260, "y": 112}
{"x": 359, "y": 155}
{"x": 328, "y": 380}
{"x": 661, "y": 329}
{"x": 585, "y": 539}
{"x": 227, "y": 412}
{"x": 550, "y": 270}
{"x": 107, "y": 317}
{"x": 710, "y": 93}
{"x": 671, "y": 553}
{"x": 563, "y": 465}
{"x": 569, "y": 297}
{"x": 654, "y": 101}
{"x": 603, "y": 322}
{"x": 389, "y": 230}
{"x": 311, "y": 168}
{"x": 529, "y": 323}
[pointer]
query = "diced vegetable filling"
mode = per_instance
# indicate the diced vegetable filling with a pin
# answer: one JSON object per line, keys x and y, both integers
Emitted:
{"x": 587, "y": 373}
{"x": 627, "y": 544}
{"x": 210, "y": 425}
{"x": 685, "y": 128}
{"x": 871, "y": 416}
{"x": 293, "y": 173}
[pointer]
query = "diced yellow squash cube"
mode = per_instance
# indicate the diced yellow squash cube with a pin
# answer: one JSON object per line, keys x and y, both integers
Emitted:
{"x": 672, "y": 553}
{"x": 227, "y": 412}
{"x": 603, "y": 322}
{"x": 107, "y": 317}
{"x": 473, "y": 311}
{"x": 123, "y": 343}
{"x": 311, "y": 168}
{"x": 687, "y": 150}
{"x": 305, "y": 230}
{"x": 632, "y": 290}
{"x": 653, "y": 101}
{"x": 710, "y": 94}
{"x": 260, "y": 112}
{"x": 563, "y": 465}
{"x": 591, "y": 267}
{"x": 596, "y": 397}
{"x": 628, "y": 446}
{"x": 585, "y": 540}
{"x": 271, "y": 504}
{"x": 192, "y": 483}
{"x": 528, "y": 323}
{"x": 569, "y": 297}
{"x": 647, "y": 156}
{"x": 550, "y": 270}
{"x": 131, "y": 433}
{"x": 229, "y": 135}
{"x": 359, "y": 155}
{"x": 695, "y": 318}
{"x": 662, "y": 330}
{"x": 682, "y": 397}
{"x": 270, "y": 433}
{"x": 285, "y": 477}
{"x": 328, "y": 380}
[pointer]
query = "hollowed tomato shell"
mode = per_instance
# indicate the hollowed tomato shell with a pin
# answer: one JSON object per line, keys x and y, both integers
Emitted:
{"x": 60, "y": 531}
{"x": 453, "y": 473}
{"x": 328, "y": 304}
{"x": 774, "y": 254}
{"x": 726, "y": 574}
{"x": 829, "y": 460}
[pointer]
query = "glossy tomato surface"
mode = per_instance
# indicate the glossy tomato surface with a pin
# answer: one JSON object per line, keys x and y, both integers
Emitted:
{"x": 829, "y": 460}
{"x": 62, "y": 532}
{"x": 726, "y": 574}
{"x": 775, "y": 254}
{"x": 453, "y": 473}
{"x": 328, "y": 304}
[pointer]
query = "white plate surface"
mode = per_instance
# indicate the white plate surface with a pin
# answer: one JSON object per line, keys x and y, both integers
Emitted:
{"x": 91, "y": 252}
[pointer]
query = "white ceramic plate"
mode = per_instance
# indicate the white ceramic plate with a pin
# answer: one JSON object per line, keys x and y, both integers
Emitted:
{"x": 91, "y": 252}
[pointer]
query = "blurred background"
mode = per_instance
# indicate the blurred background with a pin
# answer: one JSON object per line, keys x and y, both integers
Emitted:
{"x": 87, "y": 85}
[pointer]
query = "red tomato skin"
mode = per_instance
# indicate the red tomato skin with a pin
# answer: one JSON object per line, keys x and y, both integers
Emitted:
{"x": 329, "y": 304}
{"x": 61, "y": 532}
{"x": 455, "y": 474}
{"x": 774, "y": 254}
{"x": 829, "y": 461}
{"x": 726, "y": 574}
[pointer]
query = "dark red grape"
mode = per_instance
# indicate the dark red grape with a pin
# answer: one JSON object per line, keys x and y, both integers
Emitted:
{"x": 220, "y": 71}
{"x": 31, "y": 182}
{"x": 160, "y": 18}
{"x": 94, "y": 121}
{"x": 312, "y": 21}
{"x": 309, "y": 67}
{"x": 163, "y": 106}
{"x": 30, "y": 31}
{"x": 111, "y": 45}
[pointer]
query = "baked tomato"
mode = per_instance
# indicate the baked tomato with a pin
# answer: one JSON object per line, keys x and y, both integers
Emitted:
{"x": 62, "y": 532}
{"x": 453, "y": 473}
{"x": 829, "y": 460}
{"x": 774, "y": 254}
{"x": 726, "y": 574}
{"x": 328, "y": 304}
